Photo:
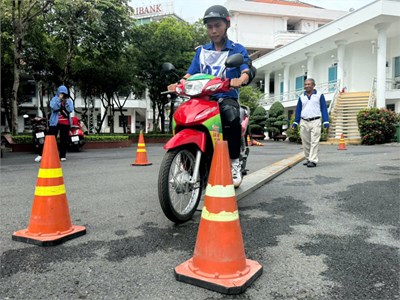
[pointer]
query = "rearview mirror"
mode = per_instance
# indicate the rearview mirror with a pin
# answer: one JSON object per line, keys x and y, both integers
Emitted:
{"x": 234, "y": 61}
{"x": 168, "y": 67}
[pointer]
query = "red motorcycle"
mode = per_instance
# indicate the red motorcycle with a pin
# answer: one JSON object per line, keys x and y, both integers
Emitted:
{"x": 196, "y": 126}
{"x": 76, "y": 135}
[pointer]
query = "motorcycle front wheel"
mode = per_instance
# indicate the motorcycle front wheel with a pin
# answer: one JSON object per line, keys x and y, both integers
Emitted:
{"x": 178, "y": 197}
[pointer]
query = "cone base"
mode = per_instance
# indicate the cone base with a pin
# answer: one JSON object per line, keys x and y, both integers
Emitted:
{"x": 231, "y": 286}
{"x": 141, "y": 164}
{"x": 49, "y": 240}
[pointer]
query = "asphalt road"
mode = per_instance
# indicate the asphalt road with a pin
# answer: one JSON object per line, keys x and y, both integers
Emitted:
{"x": 330, "y": 232}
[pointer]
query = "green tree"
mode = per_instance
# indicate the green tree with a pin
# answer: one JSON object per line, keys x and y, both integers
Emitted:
{"x": 7, "y": 63}
{"x": 275, "y": 119}
{"x": 23, "y": 14}
{"x": 250, "y": 96}
{"x": 99, "y": 60}
{"x": 166, "y": 41}
{"x": 258, "y": 120}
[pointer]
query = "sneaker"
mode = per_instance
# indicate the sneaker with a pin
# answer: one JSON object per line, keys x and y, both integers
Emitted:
{"x": 306, "y": 163}
{"x": 236, "y": 174}
{"x": 63, "y": 159}
{"x": 38, "y": 158}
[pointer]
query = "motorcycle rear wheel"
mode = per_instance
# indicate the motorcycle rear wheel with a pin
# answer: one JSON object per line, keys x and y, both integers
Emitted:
{"x": 178, "y": 197}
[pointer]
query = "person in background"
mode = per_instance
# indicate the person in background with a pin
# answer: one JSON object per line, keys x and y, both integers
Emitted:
{"x": 210, "y": 59}
{"x": 310, "y": 107}
{"x": 60, "y": 119}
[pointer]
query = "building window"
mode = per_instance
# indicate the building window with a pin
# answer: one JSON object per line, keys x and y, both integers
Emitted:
{"x": 300, "y": 83}
{"x": 290, "y": 27}
{"x": 28, "y": 88}
{"x": 332, "y": 78}
{"x": 110, "y": 121}
{"x": 390, "y": 107}
{"x": 120, "y": 120}
{"x": 397, "y": 66}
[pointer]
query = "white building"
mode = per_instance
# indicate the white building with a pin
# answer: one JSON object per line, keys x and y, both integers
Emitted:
{"x": 358, "y": 53}
{"x": 263, "y": 25}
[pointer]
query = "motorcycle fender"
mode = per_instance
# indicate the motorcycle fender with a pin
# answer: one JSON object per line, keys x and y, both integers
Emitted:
{"x": 187, "y": 136}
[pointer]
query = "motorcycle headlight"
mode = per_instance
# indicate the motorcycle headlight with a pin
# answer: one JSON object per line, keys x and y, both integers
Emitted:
{"x": 193, "y": 88}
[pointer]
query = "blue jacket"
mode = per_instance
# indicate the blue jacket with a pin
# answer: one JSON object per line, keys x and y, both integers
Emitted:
{"x": 55, "y": 105}
{"x": 231, "y": 48}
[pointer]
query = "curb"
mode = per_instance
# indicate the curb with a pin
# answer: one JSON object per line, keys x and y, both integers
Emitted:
{"x": 257, "y": 179}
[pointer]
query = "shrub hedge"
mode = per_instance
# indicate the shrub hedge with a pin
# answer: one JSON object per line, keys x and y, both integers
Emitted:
{"x": 377, "y": 126}
{"x": 101, "y": 137}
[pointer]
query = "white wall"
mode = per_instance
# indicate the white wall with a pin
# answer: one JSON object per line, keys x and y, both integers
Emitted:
{"x": 359, "y": 66}
{"x": 393, "y": 50}
{"x": 321, "y": 66}
{"x": 255, "y": 31}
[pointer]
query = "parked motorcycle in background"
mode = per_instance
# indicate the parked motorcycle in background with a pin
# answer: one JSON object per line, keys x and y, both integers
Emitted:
{"x": 76, "y": 135}
{"x": 39, "y": 130}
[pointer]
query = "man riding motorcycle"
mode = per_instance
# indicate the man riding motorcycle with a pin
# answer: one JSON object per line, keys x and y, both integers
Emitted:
{"x": 210, "y": 59}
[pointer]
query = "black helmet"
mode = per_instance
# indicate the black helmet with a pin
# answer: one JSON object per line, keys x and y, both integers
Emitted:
{"x": 217, "y": 11}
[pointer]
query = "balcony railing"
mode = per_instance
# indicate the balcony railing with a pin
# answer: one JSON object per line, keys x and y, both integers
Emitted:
{"x": 326, "y": 88}
{"x": 392, "y": 84}
{"x": 285, "y": 37}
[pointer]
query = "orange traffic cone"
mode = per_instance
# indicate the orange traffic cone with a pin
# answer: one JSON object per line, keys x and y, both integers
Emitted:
{"x": 50, "y": 223}
{"x": 219, "y": 261}
{"x": 342, "y": 144}
{"x": 256, "y": 143}
{"x": 141, "y": 156}
{"x": 249, "y": 142}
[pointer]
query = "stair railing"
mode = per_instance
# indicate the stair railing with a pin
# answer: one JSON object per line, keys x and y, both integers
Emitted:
{"x": 371, "y": 98}
{"x": 335, "y": 96}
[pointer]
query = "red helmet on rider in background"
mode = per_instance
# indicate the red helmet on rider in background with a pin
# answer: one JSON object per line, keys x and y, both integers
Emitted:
{"x": 217, "y": 12}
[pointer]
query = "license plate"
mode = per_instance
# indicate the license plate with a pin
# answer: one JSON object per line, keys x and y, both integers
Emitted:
{"x": 40, "y": 135}
{"x": 75, "y": 138}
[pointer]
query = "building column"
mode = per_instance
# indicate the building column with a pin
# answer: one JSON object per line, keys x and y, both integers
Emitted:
{"x": 266, "y": 85}
{"x": 234, "y": 26}
{"x": 102, "y": 112}
{"x": 310, "y": 64}
{"x": 381, "y": 64}
{"x": 38, "y": 95}
{"x": 133, "y": 121}
{"x": 341, "y": 44}
{"x": 286, "y": 71}
{"x": 284, "y": 23}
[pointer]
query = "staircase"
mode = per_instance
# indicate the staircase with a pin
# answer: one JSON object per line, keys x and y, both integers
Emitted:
{"x": 344, "y": 117}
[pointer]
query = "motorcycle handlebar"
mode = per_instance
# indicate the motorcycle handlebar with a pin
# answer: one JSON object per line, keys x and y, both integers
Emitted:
{"x": 180, "y": 84}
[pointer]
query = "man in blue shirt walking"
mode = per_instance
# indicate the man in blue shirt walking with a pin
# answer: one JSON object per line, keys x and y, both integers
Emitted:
{"x": 310, "y": 107}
